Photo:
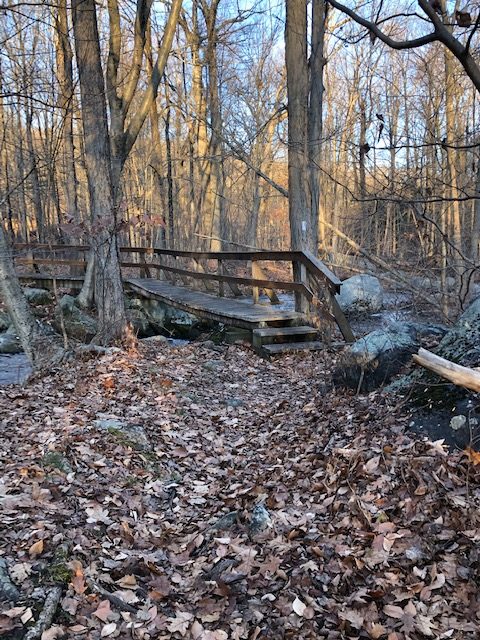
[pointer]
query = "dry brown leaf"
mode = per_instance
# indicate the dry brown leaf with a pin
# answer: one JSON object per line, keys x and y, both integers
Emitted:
{"x": 36, "y": 549}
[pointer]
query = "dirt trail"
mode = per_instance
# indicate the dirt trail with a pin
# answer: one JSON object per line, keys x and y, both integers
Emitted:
{"x": 267, "y": 507}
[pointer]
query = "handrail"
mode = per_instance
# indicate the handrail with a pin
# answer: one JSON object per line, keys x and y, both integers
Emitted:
{"x": 283, "y": 285}
{"x": 312, "y": 269}
{"x": 312, "y": 263}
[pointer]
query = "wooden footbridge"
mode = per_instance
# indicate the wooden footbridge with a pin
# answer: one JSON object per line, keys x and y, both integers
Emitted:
{"x": 173, "y": 277}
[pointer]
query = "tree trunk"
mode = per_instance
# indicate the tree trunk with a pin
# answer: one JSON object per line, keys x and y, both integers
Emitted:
{"x": 315, "y": 113}
{"x": 38, "y": 347}
{"x": 297, "y": 89}
{"x": 109, "y": 299}
{"x": 65, "y": 79}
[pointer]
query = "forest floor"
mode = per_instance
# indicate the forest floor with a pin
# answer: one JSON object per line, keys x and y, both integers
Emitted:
{"x": 267, "y": 506}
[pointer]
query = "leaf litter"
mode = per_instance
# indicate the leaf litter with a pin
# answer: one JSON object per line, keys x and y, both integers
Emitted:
{"x": 294, "y": 511}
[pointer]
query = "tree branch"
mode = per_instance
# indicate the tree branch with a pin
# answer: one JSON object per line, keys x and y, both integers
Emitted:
{"x": 150, "y": 94}
{"x": 373, "y": 28}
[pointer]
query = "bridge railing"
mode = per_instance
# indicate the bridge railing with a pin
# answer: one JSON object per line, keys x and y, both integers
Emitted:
{"x": 313, "y": 283}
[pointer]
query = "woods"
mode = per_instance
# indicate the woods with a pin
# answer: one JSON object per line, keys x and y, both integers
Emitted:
{"x": 386, "y": 137}
{"x": 239, "y": 320}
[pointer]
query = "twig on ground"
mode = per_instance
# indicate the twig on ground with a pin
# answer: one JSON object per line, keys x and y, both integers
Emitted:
{"x": 46, "y": 616}
{"x": 115, "y": 600}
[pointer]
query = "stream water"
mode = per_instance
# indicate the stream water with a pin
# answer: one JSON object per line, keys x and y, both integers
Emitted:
{"x": 14, "y": 369}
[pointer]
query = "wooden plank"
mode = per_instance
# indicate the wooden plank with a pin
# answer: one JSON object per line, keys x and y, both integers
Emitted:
{"x": 51, "y": 262}
{"x": 290, "y": 347}
{"x": 45, "y": 281}
{"x": 260, "y": 273}
{"x": 340, "y": 318}
{"x": 221, "y": 289}
{"x": 272, "y": 332}
{"x": 312, "y": 263}
{"x": 317, "y": 267}
{"x": 255, "y": 288}
{"x": 236, "y": 312}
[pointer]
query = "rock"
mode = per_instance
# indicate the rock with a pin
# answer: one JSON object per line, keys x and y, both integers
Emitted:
{"x": 210, "y": 344}
{"x": 184, "y": 324}
{"x": 9, "y": 342}
{"x": 163, "y": 317}
{"x": 213, "y": 365}
{"x": 227, "y": 521}
{"x": 375, "y": 358}
{"x": 460, "y": 344}
{"x": 260, "y": 521}
{"x": 78, "y": 324}
{"x": 8, "y": 591}
{"x": 458, "y": 422}
{"x": 154, "y": 339}
{"x": 5, "y": 321}
{"x": 156, "y": 311}
{"x": 140, "y": 323}
{"x": 381, "y": 354}
{"x": 132, "y": 435}
{"x": 361, "y": 294}
{"x": 37, "y": 296}
{"x": 233, "y": 402}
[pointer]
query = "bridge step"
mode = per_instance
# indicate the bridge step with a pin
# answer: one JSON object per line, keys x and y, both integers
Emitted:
{"x": 276, "y": 340}
{"x": 289, "y": 347}
{"x": 268, "y": 333}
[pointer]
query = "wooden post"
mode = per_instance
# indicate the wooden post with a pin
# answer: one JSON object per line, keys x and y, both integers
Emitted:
{"x": 269, "y": 292}
{"x": 144, "y": 271}
{"x": 198, "y": 266}
{"x": 256, "y": 290}
{"x": 339, "y": 316}
{"x": 300, "y": 274}
{"x": 221, "y": 288}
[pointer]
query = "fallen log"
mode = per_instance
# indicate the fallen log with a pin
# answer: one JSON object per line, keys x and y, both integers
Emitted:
{"x": 456, "y": 373}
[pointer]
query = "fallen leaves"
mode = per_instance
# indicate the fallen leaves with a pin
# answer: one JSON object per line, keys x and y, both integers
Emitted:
{"x": 36, "y": 549}
{"x": 264, "y": 507}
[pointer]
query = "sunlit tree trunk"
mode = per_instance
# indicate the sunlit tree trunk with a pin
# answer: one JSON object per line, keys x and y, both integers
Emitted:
{"x": 108, "y": 282}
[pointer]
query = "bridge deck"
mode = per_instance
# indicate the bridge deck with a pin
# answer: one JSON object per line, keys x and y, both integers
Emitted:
{"x": 233, "y": 311}
{"x": 237, "y": 312}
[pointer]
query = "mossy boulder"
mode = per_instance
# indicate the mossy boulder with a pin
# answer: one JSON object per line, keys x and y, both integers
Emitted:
{"x": 37, "y": 296}
{"x": 9, "y": 342}
{"x": 78, "y": 324}
{"x": 374, "y": 359}
{"x": 460, "y": 344}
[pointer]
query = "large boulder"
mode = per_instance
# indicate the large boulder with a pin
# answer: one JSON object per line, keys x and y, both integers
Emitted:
{"x": 140, "y": 323}
{"x": 460, "y": 344}
{"x": 5, "y": 321}
{"x": 361, "y": 294}
{"x": 9, "y": 342}
{"x": 184, "y": 324}
{"x": 37, "y": 296}
{"x": 374, "y": 359}
{"x": 163, "y": 317}
{"x": 78, "y": 324}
